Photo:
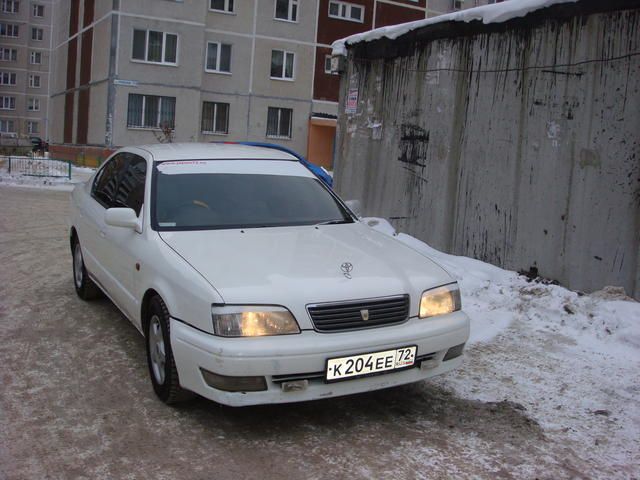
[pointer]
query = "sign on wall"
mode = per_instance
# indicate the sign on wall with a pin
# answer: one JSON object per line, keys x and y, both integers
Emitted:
{"x": 352, "y": 96}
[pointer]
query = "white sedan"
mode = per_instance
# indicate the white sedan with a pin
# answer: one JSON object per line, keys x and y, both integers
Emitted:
{"x": 253, "y": 283}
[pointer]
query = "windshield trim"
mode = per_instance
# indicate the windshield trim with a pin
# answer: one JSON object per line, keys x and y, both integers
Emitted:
{"x": 346, "y": 212}
{"x": 241, "y": 159}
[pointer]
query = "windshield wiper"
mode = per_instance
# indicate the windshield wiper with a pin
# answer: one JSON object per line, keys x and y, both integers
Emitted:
{"x": 331, "y": 222}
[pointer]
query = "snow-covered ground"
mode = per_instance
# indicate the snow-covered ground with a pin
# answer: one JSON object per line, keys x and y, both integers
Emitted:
{"x": 78, "y": 174}
{"x": 571, "y": 360}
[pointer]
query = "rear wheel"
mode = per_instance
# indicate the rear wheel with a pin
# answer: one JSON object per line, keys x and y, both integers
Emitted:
{"x": 162, "y": 366}
{"x": 85, "y": 288}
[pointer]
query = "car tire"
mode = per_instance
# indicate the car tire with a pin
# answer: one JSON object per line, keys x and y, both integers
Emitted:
{"x": 85, "y": 287}
{"x": 162, "y": 366}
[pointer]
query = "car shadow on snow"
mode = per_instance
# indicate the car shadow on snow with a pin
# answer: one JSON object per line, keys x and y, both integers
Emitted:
{"x": 420, "y": 407}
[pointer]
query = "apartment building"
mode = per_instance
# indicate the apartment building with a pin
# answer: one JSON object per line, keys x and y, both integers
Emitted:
{"x": 25, "y": 46}
{"x": 131, "y": 72}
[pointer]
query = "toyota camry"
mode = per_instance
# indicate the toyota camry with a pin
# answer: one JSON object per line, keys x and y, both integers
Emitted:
{"x": 253, "y": 282}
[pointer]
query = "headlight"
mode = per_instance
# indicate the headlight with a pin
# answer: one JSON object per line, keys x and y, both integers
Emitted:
{"x": 252, "y": 321}
{"x": 440, "y": 300}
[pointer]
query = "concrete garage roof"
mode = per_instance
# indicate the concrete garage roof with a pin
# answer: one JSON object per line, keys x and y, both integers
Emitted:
{"x": 495, "y": 17}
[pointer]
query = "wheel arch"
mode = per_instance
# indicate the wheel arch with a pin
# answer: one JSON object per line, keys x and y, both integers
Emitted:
{"x": 144, "y": 308}
{"x": 73, "y": 237}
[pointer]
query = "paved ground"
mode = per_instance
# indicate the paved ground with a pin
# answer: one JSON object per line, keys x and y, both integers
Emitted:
{"x": 76, "y": 402}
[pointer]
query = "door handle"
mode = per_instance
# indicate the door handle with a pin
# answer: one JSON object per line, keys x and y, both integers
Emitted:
{"x": 103, "y": 234}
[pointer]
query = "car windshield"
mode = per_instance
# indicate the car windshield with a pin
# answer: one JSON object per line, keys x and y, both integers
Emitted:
{"x": 192, "y": 200}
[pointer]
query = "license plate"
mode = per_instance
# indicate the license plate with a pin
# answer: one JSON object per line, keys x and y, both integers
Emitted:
{"x": 370, "y": 363}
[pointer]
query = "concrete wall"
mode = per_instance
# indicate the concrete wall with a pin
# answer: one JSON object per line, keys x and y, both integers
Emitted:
{"x": 241, "y": 21}
{"x": 300, "y": 87}
{"x": 302, "y": 30}
{"x": 184, "y": 10}
{"x": 299, "y": 130}
{"x": 190, "y": 60}
{"x": 101, "y": 39}
{"x": 516, "y": 145}
{"x": 237, "y": 82}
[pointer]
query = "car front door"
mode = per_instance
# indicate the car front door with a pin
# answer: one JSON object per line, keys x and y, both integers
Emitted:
{"x": 124, "y": 245}
{"x": 119, "y": 184}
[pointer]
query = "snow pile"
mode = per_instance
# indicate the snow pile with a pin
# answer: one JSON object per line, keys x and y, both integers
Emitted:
{"x": 495, "y": 13}
{"x": 605, "y": 321}
{"x": 569, "y": 361}
{"x": 485, "y": 289}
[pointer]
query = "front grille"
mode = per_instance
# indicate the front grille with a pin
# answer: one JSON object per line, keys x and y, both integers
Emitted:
{"x": 335, "y": 317}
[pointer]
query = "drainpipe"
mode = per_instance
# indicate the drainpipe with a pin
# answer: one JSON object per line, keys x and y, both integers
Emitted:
{"x": 111, "y": 88}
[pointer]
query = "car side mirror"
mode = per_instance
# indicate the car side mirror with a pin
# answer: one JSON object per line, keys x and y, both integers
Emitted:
{"x": 354, "y": 206}
{"x": 121, "y": 217}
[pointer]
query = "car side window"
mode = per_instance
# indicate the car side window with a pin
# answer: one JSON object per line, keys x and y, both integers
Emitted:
{"x": 106, "y": 183}
{"x": 130, "y": 191}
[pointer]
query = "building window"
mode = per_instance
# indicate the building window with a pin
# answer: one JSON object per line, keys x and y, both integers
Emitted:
{"x": 34, "y": 81}
{"x": 287, "y": 10}
{"x": 37, "y": 10}
{"x": 10, "y": 6}
{"x": 8, "y": 54}
{"x": 35, "y": 58}
{"x": 33, "y": 104}
{"x": 221, "y": 5}
{"x": 7, "y": 103}
{"x": 218, "y": 57}
{"x": 37, "y": 34}
{"x": 346, "y": 11}
{"x": 7, "y": 126}
{"x": 9, "y": 30}
{"x": 150, "y": 111}
{"x": 215, "y": 118}
{"x": 155, "y": 47}
{"x": 33, "y": 127}
{"x": 282, "y": 64}
{"x": 279, "y": 122}
{"x": 458, "y": 4}
{"x": 7, "y": 78}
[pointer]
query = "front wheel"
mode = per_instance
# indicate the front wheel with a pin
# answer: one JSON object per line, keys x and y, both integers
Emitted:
{"x": 162, "y": 366}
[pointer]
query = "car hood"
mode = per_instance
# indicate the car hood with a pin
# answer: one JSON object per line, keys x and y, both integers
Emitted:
{"x": 297, "y": 266}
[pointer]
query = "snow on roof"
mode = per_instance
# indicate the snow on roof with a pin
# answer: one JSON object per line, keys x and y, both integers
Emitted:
{"x": 495, "y": 13}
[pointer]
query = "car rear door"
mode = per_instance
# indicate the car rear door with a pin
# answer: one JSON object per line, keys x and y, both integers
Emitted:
{"x": 92, "y": 230}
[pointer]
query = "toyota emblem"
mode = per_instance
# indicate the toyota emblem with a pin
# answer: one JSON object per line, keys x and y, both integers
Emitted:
{"x": 346, "y": 268}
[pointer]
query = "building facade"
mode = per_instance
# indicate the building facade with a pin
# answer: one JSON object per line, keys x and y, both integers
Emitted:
{"x": 205, "y": 70}
{"x": 25, "y": 53}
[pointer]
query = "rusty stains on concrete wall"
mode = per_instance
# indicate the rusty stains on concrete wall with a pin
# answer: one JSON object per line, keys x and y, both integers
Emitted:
{"x": 517, "y": 145}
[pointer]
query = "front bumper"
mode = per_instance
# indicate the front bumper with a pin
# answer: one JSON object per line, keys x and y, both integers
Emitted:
{"x": 306, "y": 353}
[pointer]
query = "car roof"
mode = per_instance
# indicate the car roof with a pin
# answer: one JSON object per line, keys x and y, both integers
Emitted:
{"x": 222, "y": 151}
